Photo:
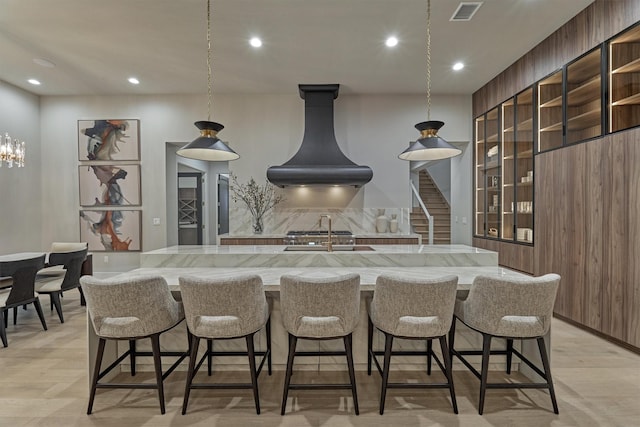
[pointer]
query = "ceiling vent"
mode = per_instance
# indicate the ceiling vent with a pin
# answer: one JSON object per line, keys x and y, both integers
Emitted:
{"x": 466, "y": 10}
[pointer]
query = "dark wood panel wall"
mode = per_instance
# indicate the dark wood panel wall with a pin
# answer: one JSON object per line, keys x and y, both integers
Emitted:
{"x": 598, "y": 22}
{"x": 587, "y": 215}
{"x": 588, "y": 231}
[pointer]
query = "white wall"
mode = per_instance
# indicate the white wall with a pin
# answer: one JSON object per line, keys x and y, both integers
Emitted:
{"x": 265, "y": 130}
{"x": 20, "y": 188}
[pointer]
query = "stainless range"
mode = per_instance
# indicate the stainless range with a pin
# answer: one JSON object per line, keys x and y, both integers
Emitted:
{"x": 317, "y": 237}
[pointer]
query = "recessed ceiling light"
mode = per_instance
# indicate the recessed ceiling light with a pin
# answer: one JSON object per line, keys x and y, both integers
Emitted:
{"x": 133, "y": 81}
{"x": 458, "y": 66}
{"x": 391, "y": 42}
{"x": 34, "y": 82}
{"x": 255, "y": 42}
{"x": 44, "y": 62}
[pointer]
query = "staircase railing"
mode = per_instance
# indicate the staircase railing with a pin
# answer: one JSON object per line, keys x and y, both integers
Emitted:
{"x": 416, "y": 193}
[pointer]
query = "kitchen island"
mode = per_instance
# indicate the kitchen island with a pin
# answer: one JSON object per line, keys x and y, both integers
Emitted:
{"x": 272, "y": 261}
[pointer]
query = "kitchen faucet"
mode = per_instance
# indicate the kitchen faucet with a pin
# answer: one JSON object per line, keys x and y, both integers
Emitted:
{"x": 329, "y": 243}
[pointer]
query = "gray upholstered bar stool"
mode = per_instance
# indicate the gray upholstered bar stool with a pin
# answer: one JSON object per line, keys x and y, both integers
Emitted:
{"x": 412, "y": 309}
{"x": 320, "y": 309}
{"x": 131, "y": 309}
{"x": 512, "y": 309}
{"x": 220, "y": 309}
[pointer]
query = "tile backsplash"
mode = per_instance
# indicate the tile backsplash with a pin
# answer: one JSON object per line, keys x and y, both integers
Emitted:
{"x": 279, "y": 221}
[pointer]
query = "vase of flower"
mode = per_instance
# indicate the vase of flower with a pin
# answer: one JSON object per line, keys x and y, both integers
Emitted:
{"x": 259, "y": 199}
{"x": 257, "y": 225}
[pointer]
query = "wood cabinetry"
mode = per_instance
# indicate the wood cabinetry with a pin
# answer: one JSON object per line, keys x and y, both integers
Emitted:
{"x": 504, "y": 170}
{"x": 624, "y": 90}
{"x": 550, "y": 112}
{"x": 586, "y": 79}
{"x": 584, "y": 98}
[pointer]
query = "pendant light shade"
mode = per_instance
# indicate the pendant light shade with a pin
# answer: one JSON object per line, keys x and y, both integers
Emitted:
{"x": 429, "y": 146}
{"x": 208, "y": 146}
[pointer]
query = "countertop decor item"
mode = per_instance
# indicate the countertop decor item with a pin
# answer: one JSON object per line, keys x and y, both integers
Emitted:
{"x": 429, "y": 146}
{"x": 382, "y": 222}
{"x": 393, "y": 223}
{"x": 208, "y": 146}
{"x": 259, "y": 199}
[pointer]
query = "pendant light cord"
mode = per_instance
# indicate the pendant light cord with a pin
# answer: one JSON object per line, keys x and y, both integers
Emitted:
{"x": 209, "y": 60}
{"x": 428, "y": 59}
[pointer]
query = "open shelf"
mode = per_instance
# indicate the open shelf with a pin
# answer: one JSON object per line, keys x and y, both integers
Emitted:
{"x": 588, "y": 91}
{"x": 584, "y": 120}
{"x": 629, "y": 67}
{"x": 629, "y": 100}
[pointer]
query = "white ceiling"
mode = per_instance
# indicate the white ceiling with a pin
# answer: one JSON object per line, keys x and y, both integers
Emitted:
{"x": 97, "y": 44}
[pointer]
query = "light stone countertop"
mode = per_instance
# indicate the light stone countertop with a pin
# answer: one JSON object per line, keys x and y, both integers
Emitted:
{"x": 271, "y": 276}
{"x": 260, "y": 256}
{"x": 356, "y": 235}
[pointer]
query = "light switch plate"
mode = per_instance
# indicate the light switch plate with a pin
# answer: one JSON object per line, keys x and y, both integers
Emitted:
{"x": 156, "y": 221}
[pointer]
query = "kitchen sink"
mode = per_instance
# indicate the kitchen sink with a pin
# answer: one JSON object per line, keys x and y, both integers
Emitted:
{"x": 336, "y": 248}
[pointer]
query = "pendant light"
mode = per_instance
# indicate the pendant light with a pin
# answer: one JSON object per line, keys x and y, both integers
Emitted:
{"x": 208, "y": 146}
{"x": 429, "y": 146}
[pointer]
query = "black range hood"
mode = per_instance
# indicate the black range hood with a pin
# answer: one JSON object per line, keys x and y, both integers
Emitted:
{"x": 319, "y": 160}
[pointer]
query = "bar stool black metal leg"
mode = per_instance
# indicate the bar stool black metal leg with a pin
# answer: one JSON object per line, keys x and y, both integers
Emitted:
{"x": 448, "y": 372}
{"x": 287, "y": 378}
{"x": 429, "y": 355}
{"x": 193, "y": 355}
{"x": 509, "y": 354}
{"x": 83, "y": 302}
{"x": 15, "y": 315}
{"x": 388, "y": 344}
{"x": 369, "y": 344}
{"x": 547, "y": 371}
{"x": 352, "y": 375}
{"x": 155, "y": 347}
{"x": 36, "y": 304}
{"x": 209, "y": 356}
{"x": 6, "y": 318}
{"x": 96, "y": 374}
{"x": 452, "y": 335}
{"x": 486, "y": 349}
{"x": 132, "y": 356}
{"x": 252, "y": 368}
{"x": 268, "y": 330}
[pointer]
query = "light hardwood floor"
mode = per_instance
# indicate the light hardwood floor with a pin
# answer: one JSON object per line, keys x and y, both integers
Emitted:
{"x": 43, "y": 382}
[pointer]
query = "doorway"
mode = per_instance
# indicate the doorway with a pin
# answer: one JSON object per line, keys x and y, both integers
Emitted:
{"x": 190, "y": 208}
{"x": 223, "y": 204}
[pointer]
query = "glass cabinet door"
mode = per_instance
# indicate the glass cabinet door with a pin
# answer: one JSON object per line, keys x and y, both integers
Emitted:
{"x": 522, "y": 208}
{"x": 480, "y": 154}
{"x": 584, "y": 98}
{"x": 624, "y": 84}
{"x": 493, "y": 172}
{"x": 550, "y": 112}
{"x": 508, "y": 167}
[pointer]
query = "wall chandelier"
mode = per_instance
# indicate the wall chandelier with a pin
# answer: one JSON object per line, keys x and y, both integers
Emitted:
{"x": 11, "y": 152}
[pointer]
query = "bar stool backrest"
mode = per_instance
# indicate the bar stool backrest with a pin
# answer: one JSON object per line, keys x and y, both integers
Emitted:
{"x": 241, "y": 298}
{"x": 492, "y": 299}
{"x": 414, "y": 307}
{"x": 320, "y": 297}
{"x": 130, "y": 307}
